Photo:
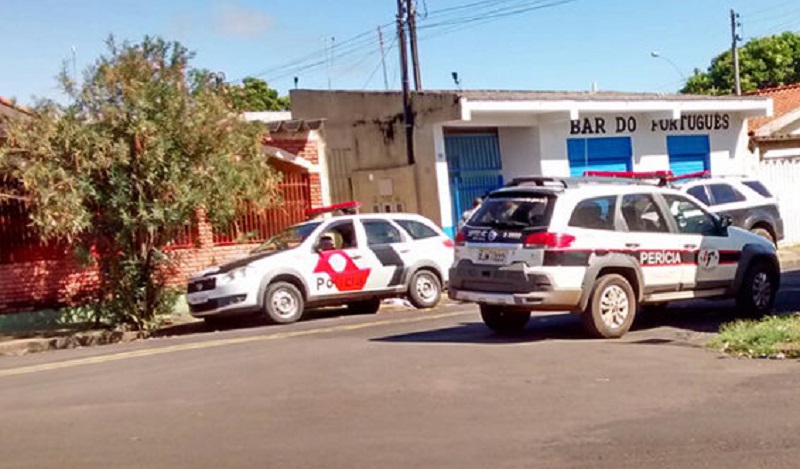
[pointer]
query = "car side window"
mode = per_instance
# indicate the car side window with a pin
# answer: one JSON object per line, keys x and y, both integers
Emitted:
{"x": 338, "y": 236}
{"x": 642, "y": 214}
{"x": 595, "y": 214}
{"x": 381, "y": 232}
{"x": 725, "y": 194}
{"x": 417, "y": 230}
{"x": 758, "y": 187}
{"x": 690, "y": 218}
{"x": 699, "y": 193}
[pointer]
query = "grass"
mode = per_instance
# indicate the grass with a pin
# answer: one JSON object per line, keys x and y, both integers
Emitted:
{"x": 771, "y": 337}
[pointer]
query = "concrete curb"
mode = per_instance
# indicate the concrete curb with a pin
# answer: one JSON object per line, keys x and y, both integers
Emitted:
{"x": 25, "y": 346}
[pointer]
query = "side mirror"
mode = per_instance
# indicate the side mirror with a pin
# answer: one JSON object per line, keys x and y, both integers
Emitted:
{"x": 725, "y": 221}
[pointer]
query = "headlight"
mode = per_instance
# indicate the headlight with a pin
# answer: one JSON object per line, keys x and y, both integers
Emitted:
{"x": 234, "y": 275}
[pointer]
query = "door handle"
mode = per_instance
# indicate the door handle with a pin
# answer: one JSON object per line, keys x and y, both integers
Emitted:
{"x": 355, "y": 256}
{"x": 632, "y": 245}
{"x": 690, "y": 247}
{"x": 405, "y": 251}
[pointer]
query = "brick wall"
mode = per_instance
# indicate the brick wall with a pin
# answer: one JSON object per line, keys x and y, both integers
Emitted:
{"x": 26, "y": 286}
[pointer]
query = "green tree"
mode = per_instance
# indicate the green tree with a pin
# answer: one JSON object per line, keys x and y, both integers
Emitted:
{"x": 141, "y": 145}
{"x": 255, "y": 95}
{"x": 763, "y": 63}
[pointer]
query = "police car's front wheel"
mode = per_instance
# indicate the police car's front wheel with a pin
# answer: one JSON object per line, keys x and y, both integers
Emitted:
{"x": 612, "y": 308}
{"x": 283, "y": 303}
{"x": 424, "y": 290}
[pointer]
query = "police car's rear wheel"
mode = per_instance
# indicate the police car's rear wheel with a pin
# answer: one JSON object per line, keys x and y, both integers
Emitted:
{"x": 759, "y": 286}
{"x": 283, "y": 303}
{"x": 503, "y": 319}
{"x": 612, "y": 307}
{"x": 424, "y": 290}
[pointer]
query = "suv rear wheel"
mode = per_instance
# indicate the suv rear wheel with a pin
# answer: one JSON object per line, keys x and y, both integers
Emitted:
{"x": 757, "y": 292}
{"x": 764, "y": 233}
{"x": 503, "y": 319}
{"x": 611, "y": 308}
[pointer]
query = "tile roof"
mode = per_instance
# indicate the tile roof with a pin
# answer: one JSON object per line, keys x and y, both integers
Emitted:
{"x": 785, "y": 99}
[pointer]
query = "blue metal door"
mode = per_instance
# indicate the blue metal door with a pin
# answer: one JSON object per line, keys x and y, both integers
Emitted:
{"x": 475, "y": 169}
{"x": 688, "y": 153}
{"x": 599, "y": 154}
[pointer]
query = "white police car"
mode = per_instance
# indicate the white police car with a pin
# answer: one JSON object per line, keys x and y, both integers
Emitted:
{"x": 353, "y": 260}
{"x": 600, "y": 248}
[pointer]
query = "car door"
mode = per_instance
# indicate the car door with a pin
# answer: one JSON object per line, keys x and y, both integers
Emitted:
{"x": 715, "y": 254}
{"x": 340, "y": 261}
{"x": 387, "y": 246}
{"x": 649, "y": 238}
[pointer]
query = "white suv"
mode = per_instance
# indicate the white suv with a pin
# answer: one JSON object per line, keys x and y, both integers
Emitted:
{"x": 353, "y": 260}
{"x": 600, "y": 250}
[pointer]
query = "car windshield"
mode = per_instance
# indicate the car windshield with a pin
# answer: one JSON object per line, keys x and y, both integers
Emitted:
{"x": 289, "y": 238}
{"x": 530, "y": 212}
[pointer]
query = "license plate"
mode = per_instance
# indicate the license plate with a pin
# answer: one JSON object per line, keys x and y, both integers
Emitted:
{"x": 197, "y": 298}
{"x": 492, "y": 255}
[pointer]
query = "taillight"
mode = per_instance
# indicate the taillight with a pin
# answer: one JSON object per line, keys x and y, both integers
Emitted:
{"x": 461, "y": 238}
{"x": 448, "y": 243}
{"x": 548, "y": 240}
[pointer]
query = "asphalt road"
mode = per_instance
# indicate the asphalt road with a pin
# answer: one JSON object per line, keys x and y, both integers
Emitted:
{"x": 407, "y": 389}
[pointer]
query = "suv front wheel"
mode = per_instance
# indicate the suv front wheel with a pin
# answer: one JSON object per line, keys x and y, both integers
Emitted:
{"x": 759, "y": 286}
{"x": 503, "y": 319}
{"x": 611, "y": 308}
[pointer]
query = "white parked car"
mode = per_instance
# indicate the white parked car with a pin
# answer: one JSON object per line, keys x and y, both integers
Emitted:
{"x": 602, "y": 249}
{"x": 353, "y": 260}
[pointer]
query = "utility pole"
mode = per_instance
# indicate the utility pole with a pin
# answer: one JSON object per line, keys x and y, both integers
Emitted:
{"x": 411, "y": 11}
{"x": 408, "y": 115}
{"x": 735, "y": 51}
{"x": 383, "y": 60}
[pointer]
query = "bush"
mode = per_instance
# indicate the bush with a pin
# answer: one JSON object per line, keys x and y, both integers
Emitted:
{"x": 771, "y": 337}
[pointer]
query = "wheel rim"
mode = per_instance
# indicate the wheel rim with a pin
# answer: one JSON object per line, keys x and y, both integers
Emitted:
{"x": 762, "y": 290}
{"x": 284, "y": 303}
{"x": 614, "y": 306}
{"x": 426, "y": 288}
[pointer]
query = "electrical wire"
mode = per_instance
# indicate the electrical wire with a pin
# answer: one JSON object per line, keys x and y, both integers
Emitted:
{"x": 380, "y": 62}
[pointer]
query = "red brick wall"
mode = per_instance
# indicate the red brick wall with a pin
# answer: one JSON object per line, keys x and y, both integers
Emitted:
{"x": 26, "y": 286}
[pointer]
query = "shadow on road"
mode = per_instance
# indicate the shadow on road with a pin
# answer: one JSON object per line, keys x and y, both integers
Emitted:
{"x": 545, "y": 327}
{"x": 243, "y": 322}
{"x": 694, "y": 316}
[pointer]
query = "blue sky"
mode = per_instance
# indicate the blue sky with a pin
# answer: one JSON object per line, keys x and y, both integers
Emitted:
{"x": 564, "y": 47}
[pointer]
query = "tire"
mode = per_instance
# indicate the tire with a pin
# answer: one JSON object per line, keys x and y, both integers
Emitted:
{"x": 424, "y": 289}
{"x": 503, "y": 320}
{"x": 611, "y": 309}
{"x": 764, "y": 233}
{"x": 283, "y": 303}
{"x": 370, "y": 306}
{"x": 758, "y": 290}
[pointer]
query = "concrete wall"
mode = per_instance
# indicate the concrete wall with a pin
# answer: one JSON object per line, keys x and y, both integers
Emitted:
{"x": 366, "y": 146}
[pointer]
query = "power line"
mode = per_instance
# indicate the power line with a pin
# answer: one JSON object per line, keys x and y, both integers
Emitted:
{"x": 380, "y": 63}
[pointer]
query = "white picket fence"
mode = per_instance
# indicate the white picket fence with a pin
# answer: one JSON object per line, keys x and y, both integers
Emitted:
{"x": 782, "y": 178}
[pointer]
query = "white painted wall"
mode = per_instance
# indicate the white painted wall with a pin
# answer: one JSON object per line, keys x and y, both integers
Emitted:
{"x": 729, "y": 153}
{"x": 443, "y": 180}
{"x": 520, "y": 151}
